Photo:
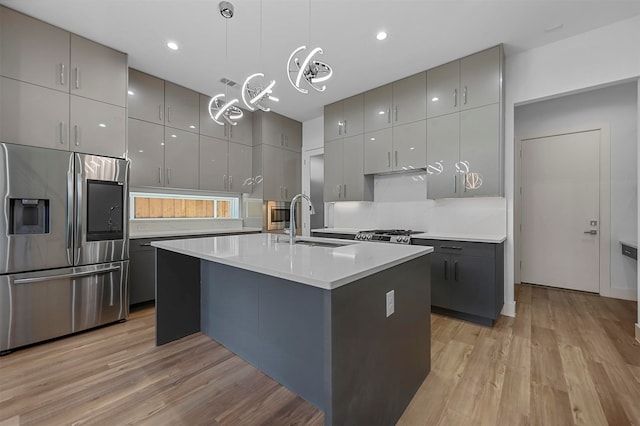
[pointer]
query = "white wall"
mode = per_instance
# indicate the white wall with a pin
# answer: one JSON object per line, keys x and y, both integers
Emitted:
{"x": 312, "y": 144}
{"x": 596, "y": 58}
{"x": 616, "y": 106}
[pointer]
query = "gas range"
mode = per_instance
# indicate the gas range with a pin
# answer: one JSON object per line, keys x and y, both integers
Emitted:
{"x": 395, "y": 236}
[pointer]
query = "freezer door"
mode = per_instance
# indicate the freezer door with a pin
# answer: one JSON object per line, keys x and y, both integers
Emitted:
{"x": 43, "y": 305}
{"x": 35, "y": 226}
{"x": 102, "y": 217}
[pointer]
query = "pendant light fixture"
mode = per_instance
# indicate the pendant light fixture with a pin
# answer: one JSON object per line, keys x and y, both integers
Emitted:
{"x": 222, "y": 110}
{"x": 255, "y": 95}
{"x": 311, "y": 70}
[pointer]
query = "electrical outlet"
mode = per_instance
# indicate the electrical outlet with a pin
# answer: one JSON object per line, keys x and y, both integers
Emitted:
{"x": 391, "y": 304}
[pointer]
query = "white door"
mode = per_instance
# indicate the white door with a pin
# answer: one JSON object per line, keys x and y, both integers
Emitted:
{"x": 560, "y": 211}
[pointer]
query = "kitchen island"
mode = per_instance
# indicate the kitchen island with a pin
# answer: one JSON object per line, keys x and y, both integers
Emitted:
{"x": 314, "y": 316}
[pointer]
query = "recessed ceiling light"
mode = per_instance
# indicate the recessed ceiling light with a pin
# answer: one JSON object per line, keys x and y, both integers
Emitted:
{"x": 172, "y": 45}
{"x": 381, "y": 35}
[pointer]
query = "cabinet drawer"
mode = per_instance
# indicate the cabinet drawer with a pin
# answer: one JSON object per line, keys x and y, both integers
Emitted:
{"x": 458, "y": 247}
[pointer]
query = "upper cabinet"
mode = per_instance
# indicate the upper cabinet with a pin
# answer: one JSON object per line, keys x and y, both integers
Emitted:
{"x": 181, "y": 108}
{"x": 467, "y": 83}
{"x": 400, "y": 102}
{"x": 344, "y": 118}
{"x": 60, "y": 90}
{"x": 241, "y": 132}
{"x": 146, "y": 97}
{"x": 276, "y": 130}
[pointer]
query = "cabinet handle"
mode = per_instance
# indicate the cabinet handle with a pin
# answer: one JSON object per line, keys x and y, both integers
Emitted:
{"x": 169, "y": 114}
{"x": 224, "y": 183}
{"x": 61, "y": 131}
{"x": 160, "y": 111}
{"x": 62, "y": 74}
{"x": 396, "y": 112}
{"x": 464, "y": 181}
{"x": 388, "y": 158}
{"x": 230, "y": 131}
{"x": 451, "y": 247}
{"x": 339, "y": 189}
{"x": 160, "y": 175}
{"x": 396, "y": 154}
{"x": 76, "y": 137}
{"x": 145, "y": 245}
{"x": 455, "y": 97}
{"x": 464, "y": 95}
{"x": 344, "y": 190}
{"x": 455, "y": 270}
{"x": 389, "y": 115}
{"x": 455, "y": 184}
{"x": 339, "y": 128}
{"x": 446, "y": 277}
{"x": 230, "y": 182}
{"x": 345, "y": 127}
{"x": 77, "y": 77}
{"x": 169, "y": 176}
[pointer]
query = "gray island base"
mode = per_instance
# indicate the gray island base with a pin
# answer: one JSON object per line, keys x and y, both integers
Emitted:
{"x": 336, "y": 348}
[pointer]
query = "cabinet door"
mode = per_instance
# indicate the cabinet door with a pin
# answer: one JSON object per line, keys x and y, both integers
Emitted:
{"x": 292, "y": 134}
{"x": 378, "y": 150}
{"x": 242, "y": 132}
{"x": 181, "y": 107}
{"x": 33, "y": 115}
{"x": 333, "y": 121}
{"x": 33, "y": 51}
{"x": 142, "y": 275}
{"x": 97, "y": 128}
{"x": 473, "y": 286}
{"x": 213, "y": 163}
{"x": 353, "y": 115}
{"x": 443, "y": 135}
{"x": 480, "y": 79}
{"x": 410, "y": 99}
{"x": 353, "y": 168}
{"x": 410, "y": 146}
{"x": 207, "y": 125}
{"x": 333, "y": 170}
{"x": 98, "y": 72}
{"x": 272, "y": 173}
{"x": 441, "y": 280}
{"x": 271, "y": 129}
{"x": 480, "y": 148}
{"x": 443, "y": 89}
{"x": 291, "y": 168}
{"x": 146, "y": 152}
{"x": 181, "y": 151}
{"x": 146, "y": 97}
{"x": 377, "y": 108}
{"x": 240, "y": 168}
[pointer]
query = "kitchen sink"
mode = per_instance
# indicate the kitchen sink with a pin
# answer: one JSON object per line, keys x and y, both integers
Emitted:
{"x": 321, "y": 244}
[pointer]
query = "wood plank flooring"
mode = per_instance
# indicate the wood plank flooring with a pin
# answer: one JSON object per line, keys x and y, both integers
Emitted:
{"x": 569, "y": 358}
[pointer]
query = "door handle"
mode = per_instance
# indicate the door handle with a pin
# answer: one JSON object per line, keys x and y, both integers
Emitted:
{"x": 169, "y": 114}
{"x": 77, "y": 77}
{"x": 70, "y": 275}
{"x": 388, "y": 158}
{"x": 464, "y": 95}
{"x": 230, "y": 182}
{"x": 76, "y": 137}
{"x": 445, "y": 270}
{"x": 61, "y": 128}
{"x": 455, "y": 270}
{"x": 62, "y": 74}
{"x": 389, "y": 115}
{"x": 591, "y": 232}
{"x": 396, "y": 153}
{"x": 455, "y": 97}
{"x": 160, "y": 111}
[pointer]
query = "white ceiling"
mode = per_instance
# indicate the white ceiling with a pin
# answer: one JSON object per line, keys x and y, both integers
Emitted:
{"x": 422, "y": 34}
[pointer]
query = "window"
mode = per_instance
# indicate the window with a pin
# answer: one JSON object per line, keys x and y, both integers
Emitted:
{"x": 170, "y": 206}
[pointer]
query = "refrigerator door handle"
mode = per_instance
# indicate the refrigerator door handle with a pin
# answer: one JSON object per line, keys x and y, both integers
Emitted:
{"x": 69, "y": 275}
{"x": 70, "y": 209}
{"x": 79, "y": 203}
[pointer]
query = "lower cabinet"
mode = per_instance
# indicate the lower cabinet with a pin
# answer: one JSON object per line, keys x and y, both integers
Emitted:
{"x": 467, "y": 279}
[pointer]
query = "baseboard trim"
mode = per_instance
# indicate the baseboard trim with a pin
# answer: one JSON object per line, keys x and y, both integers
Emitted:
{"x": 509, "y": 309}
{"x": 638, "y": 332}
{"x": 620, "y": 293}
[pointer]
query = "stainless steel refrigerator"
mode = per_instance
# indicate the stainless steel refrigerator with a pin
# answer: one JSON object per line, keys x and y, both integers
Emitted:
{"x": 64, "y": 244}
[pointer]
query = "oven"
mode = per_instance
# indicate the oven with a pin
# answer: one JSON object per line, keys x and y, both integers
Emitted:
{"x": 276, "y": 216}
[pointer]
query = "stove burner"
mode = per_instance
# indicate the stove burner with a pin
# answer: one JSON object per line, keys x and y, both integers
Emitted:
{"x": 397, "y": 236}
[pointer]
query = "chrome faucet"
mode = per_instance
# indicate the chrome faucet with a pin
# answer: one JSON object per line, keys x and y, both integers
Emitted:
{"x": 292, "y": 216}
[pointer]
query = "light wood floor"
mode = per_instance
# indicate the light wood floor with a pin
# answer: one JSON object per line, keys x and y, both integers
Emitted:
{"x": 568, "y": 358}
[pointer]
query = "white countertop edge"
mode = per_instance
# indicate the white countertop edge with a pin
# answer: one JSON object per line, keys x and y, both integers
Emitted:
{"x": 326, "y": 285}
{"x": 182, "y": 232}
{"x": 629, "y": 243}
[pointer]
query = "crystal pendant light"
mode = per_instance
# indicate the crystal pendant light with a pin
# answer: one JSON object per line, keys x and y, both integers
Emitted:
{"x": 311, "y": 70}
{"x": 222, "y": 110}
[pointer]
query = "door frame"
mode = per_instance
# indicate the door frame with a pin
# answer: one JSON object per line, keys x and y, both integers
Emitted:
{"x": 605, "y": 207}
{"x": 306, "y": 187}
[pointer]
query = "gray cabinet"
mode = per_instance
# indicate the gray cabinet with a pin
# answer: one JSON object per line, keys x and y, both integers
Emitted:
{"x": 400, "y": 148}
{"x": 344, "y": 178}
{"x": 344, "y": 118}
{"x": 146, "y": 152}
{"x": 276, "y": 130}
{"x": 467, "y": 279}
{"x": 443, "y": 154}
{"x": 181, "y": 150}
{"x": 33, "y": 115}
{"x": 97, "y": 127}
{"x": 377, "y": 108}
{"x": 224, "y": 166}
{"x": 181, "y": 107}
{"x": 409, "y": 99}
{"x": 146, "y": 97}
{"x": 242, "y": 132}
{"x": 280, "y": 173}
{"x": 470, "y": 82}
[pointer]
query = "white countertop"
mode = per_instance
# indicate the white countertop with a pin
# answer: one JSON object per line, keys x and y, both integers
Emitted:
{"x": 322, "y": 267}
{"x": 479, "y": 238}
{"x": 629, "y": 243}
{"x": 179, "y": 232}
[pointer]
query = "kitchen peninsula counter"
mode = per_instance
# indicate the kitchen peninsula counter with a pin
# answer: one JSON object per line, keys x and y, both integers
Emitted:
{"x": 313, "y": 317}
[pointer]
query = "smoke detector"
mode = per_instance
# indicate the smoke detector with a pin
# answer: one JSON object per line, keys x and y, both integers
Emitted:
{"x": 226, "y": 9}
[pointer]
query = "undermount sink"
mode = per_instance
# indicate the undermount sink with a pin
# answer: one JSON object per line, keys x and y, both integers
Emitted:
{"x": 321, "y": 244}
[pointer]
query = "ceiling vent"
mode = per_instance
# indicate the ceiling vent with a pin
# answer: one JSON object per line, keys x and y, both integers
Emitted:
{"x": 228, "y": 82}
